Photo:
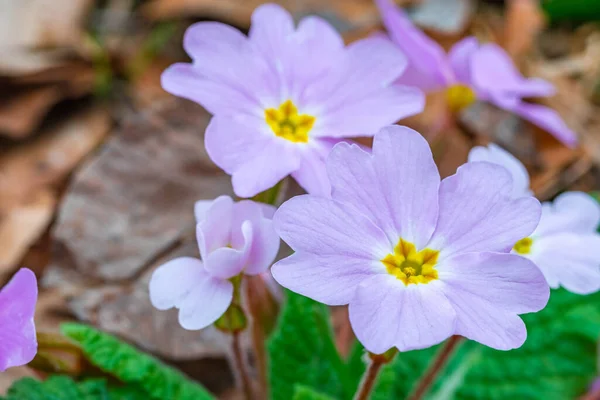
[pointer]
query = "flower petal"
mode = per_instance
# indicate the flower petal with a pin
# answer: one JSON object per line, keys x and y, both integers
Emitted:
{"x": 312, "y": 174}
{"x": 184, "y": 80}
{"x": 478, "y": 214}
{"x": 427, "y": 65}
{"x": 257, "y": 160}
{"x": 569, "y": 212}
{"x": 547, "y": 119}
{"x": 265, "y": 245}
{"x": 201, "y": 207}
{"x": 493, "y": 71}
{"x": 183, "y": 283}
{"x": 511, "y": 283}
{"x": 460, "y": 56}
{"x": 214, "y": 231}
{"x": 271, "y": 30}
{"x": 325, "y": 227}
{"x": 480, "y": 320}
{"x": 497, "y": 155}
{"x": 18, "y": 344}
{"x": 329, "y": 279}
{"x": 569, "y": 259}
{"x": 385, "y": 313}
{"x": 364, "y": 116}
{"x": 227, "y": 262}
{"x": 397, "y": 187}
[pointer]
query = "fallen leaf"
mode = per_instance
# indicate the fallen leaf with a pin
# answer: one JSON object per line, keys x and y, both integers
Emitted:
{"x": 20, "y": 226}
{"x": 22, "y": 111}
{"x": 523, "y": 22}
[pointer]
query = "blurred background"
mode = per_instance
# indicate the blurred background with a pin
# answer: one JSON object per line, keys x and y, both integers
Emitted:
{"x": 99, "y": 167}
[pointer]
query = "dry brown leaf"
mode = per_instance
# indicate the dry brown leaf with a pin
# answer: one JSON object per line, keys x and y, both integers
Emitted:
{"x": 42, "y": 23}
{"x": 48, "y": 159}
{"x": 21, "y": 225}
{"x": 21, "y": 112}
{"x": 523, "y": 22}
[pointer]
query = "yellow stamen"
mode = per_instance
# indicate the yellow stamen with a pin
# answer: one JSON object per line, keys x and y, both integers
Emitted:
{"x": 288, "y": 124}
{"x": 410, "y": 265}
{"x": 459, "y": 97}
{"x": 523, "y": 246}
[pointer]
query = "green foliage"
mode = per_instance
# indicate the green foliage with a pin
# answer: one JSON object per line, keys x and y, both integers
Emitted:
{"x": 133, "y": 367}
{"x": 302, "y": 351}
{"x": 65, "y": 388}
{"x": 572, "y": 10}
{"x": 556, "y": 362}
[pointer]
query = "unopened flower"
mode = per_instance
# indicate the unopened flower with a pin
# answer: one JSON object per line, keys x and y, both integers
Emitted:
{"x": 283, "y": 96}
{"x": 565, "y": 245}
{"x": 471, "y": 71}
{"x": 233, "y": 238}
{"x": 18, "y": 344}
{"x": 416, "y": 259}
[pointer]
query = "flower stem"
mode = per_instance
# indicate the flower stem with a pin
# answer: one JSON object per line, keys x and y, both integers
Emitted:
{"x": 436, "y": 366}
{"x": 240, "y": 365}
{"x": 369, "y": 379}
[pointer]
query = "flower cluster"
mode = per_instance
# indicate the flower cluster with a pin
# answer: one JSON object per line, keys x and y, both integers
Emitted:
{"x": 417, "y": 258}
{"x": 233, "y": 238}
{"x": 471, "y": 71}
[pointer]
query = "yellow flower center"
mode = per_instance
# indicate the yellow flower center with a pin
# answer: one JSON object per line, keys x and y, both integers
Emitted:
{"x": 410, "y": 265}
{"x": 523, "y": 246}
{"x": 288, "y": 124}
{"x": 459, "y": 97}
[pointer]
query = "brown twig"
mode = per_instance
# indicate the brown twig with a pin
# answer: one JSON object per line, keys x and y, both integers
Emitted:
{"x": 436, "y": 366}
{"x": 240, "y": 366}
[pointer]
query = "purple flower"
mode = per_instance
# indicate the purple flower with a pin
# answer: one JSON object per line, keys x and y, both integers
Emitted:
{"x": 233, "y": 238}
{"x": 18, "y": 343}
{"x": 471, "y": 71}
{"x": 416, "y": 259}
{"x": 565, "y": 245}
{"x": 283, "y": 96}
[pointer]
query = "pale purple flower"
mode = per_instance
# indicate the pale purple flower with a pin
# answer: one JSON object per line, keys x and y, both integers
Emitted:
{"x": 565, "y": 245}
{"x": 471, "y": 71}
{"x": 417, "y": 259}
{"x": 18, "y": 343}
{"x": 283, "y": 95}
{"x": 233, "y": 238}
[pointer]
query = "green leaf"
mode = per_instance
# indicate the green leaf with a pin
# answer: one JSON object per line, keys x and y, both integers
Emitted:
{"x": 302, "y": 352}
{"x": 556, "y": 362}
{"x": 573, "y": 10}
{"x": 306, "y": 393}
{"x": 133, "y": 367}
{"x": 62, "y": 387}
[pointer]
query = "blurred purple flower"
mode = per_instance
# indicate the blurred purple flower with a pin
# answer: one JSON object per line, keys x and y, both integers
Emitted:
{"x": 18, "y": 343}
{"x": 416, "y": 259}
{"x": 565, "y": 245}
{"x": 471, "y": 71}
{"x": 233, "y": 238}
{"x": 283, "y": 96}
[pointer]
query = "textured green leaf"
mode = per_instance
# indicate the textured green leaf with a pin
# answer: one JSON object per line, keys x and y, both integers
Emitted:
{"x": 302, "y": 351}
{"x": 306, "y": 393}
{"x": 62, "y": 387}
{"x": 133, "y": 367}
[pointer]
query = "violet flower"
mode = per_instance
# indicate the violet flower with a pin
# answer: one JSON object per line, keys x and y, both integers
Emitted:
{"x": 565, "y": 245}
{"x": 18, "y": 343}
{"x": 233, "y": 238}
{"x": 417, "y": 259}
{"x": 471, "y": 71}
{"x": 284, "y": 95}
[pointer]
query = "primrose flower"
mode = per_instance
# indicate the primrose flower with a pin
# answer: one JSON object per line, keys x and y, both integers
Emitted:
{"x": 18, "y": 343}
{"x": 283, "y": 96}
{"x": 233, "y": 238}
{"x": 471, "y": 71}
{"x": 565, "y": 245}
{"x": 416, "y": 259}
